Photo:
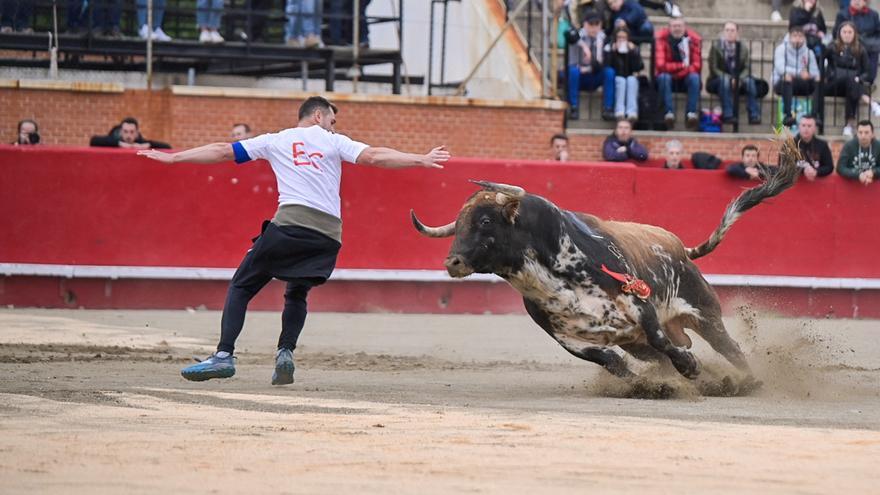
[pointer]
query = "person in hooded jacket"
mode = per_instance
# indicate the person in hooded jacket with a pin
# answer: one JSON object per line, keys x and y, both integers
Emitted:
{"x": 808, "y": 15}
{"x": 795, "y": 71}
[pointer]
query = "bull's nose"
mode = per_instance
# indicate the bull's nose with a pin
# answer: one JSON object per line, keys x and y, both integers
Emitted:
{"x": 456, "y": 266}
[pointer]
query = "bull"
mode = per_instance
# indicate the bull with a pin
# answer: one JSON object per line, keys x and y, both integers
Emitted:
{"x": 592, "y": 284}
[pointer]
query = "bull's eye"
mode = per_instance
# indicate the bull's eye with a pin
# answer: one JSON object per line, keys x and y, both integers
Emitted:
{"x": 485, "y": 221}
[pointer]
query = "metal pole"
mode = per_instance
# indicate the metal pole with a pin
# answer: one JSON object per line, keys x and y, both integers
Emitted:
{"x": 443, "y": 44}
{"x": 356, "y": 43}
{"x": 554, "y": 58}
{"x": 149, "y": 45}
{"x": 431, "y": 48}
{"x": 545, "y": 47}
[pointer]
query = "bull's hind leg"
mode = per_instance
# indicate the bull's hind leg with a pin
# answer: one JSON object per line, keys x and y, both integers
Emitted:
{"x": 712, "y": 330}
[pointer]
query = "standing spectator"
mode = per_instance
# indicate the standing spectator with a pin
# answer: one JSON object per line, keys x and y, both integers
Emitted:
{"x": 626, "y": 61}
{"x": 817, "y": 160}
{"x": 126, "y": 135}
{"x": 808, "y": 15}
{"x": 860, "y": 157}
{"x": 559, "y": 143}
{"x": 631, "y": 15}
{"x": 678, "y": 65}
{"x": 15, "y": 16}
{"x": 674, "y": 155}
{"x": 751, "y": 167}
{"x": 158, "y": 17}
{"x": 27, "y": 133}
{"x": 620, "y": 146}
{"x": 241, "y": 131}
{"x": 867, "y": 24}
{"x": 208, "y": 15}
{"x": 847, "y": 74}
{"x": 730, "y": 70}
{"x": 303, "y": 23}
{"x": 586, "y": 69}
{"x": 795, "y": 72}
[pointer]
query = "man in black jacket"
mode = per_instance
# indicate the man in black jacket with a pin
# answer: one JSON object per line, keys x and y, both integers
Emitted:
{"x": 751, "y": 167}
{"x": 817, "y": 160}
{"x": 126, "y": 135}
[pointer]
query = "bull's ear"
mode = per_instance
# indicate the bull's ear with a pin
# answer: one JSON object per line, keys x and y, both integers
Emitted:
{"x": 510, "y": 210}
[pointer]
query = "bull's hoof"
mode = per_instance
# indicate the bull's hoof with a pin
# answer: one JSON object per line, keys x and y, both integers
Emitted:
{"x": 686, "y": 364}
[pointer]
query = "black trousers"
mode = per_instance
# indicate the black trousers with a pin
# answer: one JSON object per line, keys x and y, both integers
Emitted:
{"x": 790, "y": 89}
{"x": 848, "y": 88}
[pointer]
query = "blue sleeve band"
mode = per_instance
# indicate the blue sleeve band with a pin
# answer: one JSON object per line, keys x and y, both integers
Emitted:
{"x": 241, "y": 155}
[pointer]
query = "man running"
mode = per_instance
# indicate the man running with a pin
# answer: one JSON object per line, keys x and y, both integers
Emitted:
{"x": 302, "y": 241}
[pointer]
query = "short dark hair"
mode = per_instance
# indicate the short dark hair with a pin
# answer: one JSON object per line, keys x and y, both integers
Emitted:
{"x": 796, "y": 29}
{"x": 25, "y": 121}
{"x": 749, "y": 147}
{"x": 863, "y": 123}
{"x": 621, "y": 29}
{"x": 130, "y": 120}
{"x": 247, "y": 128}
{"x": 809, "y": 116}
{"x": 313, "y": 103}
{"x": 559, "y": 136}
{"x": 623, "y": 121}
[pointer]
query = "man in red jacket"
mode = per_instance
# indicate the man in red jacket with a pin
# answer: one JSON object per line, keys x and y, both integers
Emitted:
{"x": 678, "y": 66}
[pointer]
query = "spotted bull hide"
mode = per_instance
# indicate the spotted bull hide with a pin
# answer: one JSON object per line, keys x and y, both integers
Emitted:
{"x": 555, "y": 259}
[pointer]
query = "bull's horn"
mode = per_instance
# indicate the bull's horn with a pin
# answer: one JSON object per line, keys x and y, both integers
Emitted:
{"x": 444, "y": 231}
{"x": 513, "y": 191}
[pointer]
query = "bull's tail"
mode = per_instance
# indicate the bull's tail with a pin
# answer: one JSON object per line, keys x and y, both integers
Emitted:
{"x": 784, "y": 178}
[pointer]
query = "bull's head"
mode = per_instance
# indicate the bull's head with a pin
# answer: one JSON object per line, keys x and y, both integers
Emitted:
{"x": 484, "y": 231}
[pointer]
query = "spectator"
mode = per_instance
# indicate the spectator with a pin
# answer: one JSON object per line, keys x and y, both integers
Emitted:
{"x": 795, "y": 72}
{"x": 669, "y": 8}
{"x": 860, "y": 157}
{"x": 15, "y": 16}
{"x": 559, "y": 143}
{"x": 340, "y": 23}
{"x": 585, "y": 67}
{"x": 867, "y": 24}
{"x": 678, "y": 64}
{"x": 240, "y": 132}
{"x": 751, "y": 167}
{"x": 208, "y": 15}
{"x": 674, "y": 154}
{"x": 158, "y": 17}
{"x": 126, "y": 135}
{"x": 817, "y": 160}
{"x": 847, "y": 74}
{"x": 624, "y": 59}
{"x": 27, "y": 133}
{"x": 620, "y": 146}
{"x": 303, "y": 23}
{"x": 729, "y": 70}
{"x": 105, "y": 17}
{"x": 631, "y": 15}
{"x": 808, "y": 15}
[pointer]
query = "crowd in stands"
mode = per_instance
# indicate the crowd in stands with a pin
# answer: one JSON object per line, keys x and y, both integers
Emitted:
{"x": 810, "y": 62}
{"x": 304, "y": 20}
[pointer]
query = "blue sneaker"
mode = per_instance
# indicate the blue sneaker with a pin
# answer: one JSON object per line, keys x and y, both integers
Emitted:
{"x": 283, "y": 367}
{"x": 213, "y": 367}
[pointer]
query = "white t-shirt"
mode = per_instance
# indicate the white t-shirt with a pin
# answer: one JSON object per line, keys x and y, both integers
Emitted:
{"x": 307, "y": 162}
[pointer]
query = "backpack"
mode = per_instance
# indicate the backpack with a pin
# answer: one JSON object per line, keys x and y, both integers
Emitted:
{"x": 705, "y": 161}
{"x": 650, "y": 108}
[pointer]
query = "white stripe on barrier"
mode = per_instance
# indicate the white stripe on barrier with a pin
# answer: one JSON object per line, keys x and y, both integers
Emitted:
{"x": 352, "y": 274}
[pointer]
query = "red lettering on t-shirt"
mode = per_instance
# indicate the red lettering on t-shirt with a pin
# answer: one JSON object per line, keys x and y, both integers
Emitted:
{"x": 301, "y": 157}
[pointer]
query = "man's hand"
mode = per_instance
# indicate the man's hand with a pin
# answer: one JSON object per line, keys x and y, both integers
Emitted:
{"x": 866, "y": 177}
{"x": 563, "y": 156}
{"x": 157, "y": 155}
{"x": 810, "y": 173}
{"x": 754, "y": 173}
{"x": 620, "y": 23}
{"x": 788, "y": 78}
{"x": 588, "y": 56}
{"x": 436, "y": 157}
{"x": 805, "y": 75}
{"x": 621, "y": 149}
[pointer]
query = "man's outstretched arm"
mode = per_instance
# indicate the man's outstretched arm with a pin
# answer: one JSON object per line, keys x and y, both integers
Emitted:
{"x": 209, "y": 153}
{"x": 389, "y": 158}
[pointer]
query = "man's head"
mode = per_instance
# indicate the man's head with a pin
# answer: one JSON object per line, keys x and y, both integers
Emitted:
{"x": 128, "y": 130}
{"x": 317, "y": 110}
{"x": 27, "y": 128}
{"x": 807, "y": 127}
{"x": 865, "y": 133}
{"x": 677, "y": 27}
{"x": 240, "y": 131}
{"x": 796, "y": 36}
{"x": 593, "y": 23}
{"x": 615, "y": 5}
{"x": 731, "y": 32}
{"x": 559, "y": 143}
{"x": 750, "y": 155}
{"x": 623, "y": 130}
{"x": 674, "y": 151}
{"x": 858, "y": 4}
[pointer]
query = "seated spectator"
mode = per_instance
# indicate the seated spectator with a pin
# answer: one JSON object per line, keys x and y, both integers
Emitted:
{"x": 674, "y": 154}
{"x": 620, "y": 146}
{"x": 847, "y": 74}
{"x": 624, "y": 59}
{"x": 126, "y": 135}
{"x": 208, "y": 15}
{"x": 303, "y": 27}
{"x": 817, "y": 160}
{"x": 559, "y": 143}
{"x": 15, "y": 16}
{"x": 678, "y": 64}
{"x": 730, "y": 70}
{"x": 27, "y": 133}
{"x": 808, "y": 15}
{"x": 586, "y": 71}
{"x": 795, "y": 71}
{"x": 860, "y": 157}
{"x": 867, "y": 24}
{"x": 241, "y": 131}
{"x": 631, "y": 15}
{"x": 751, "y": 167}
{"x": 158, "y": 17}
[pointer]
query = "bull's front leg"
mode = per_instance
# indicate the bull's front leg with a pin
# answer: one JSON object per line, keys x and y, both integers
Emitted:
{"x": 685, "y": 362}
{"x": 600, "y": 355}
